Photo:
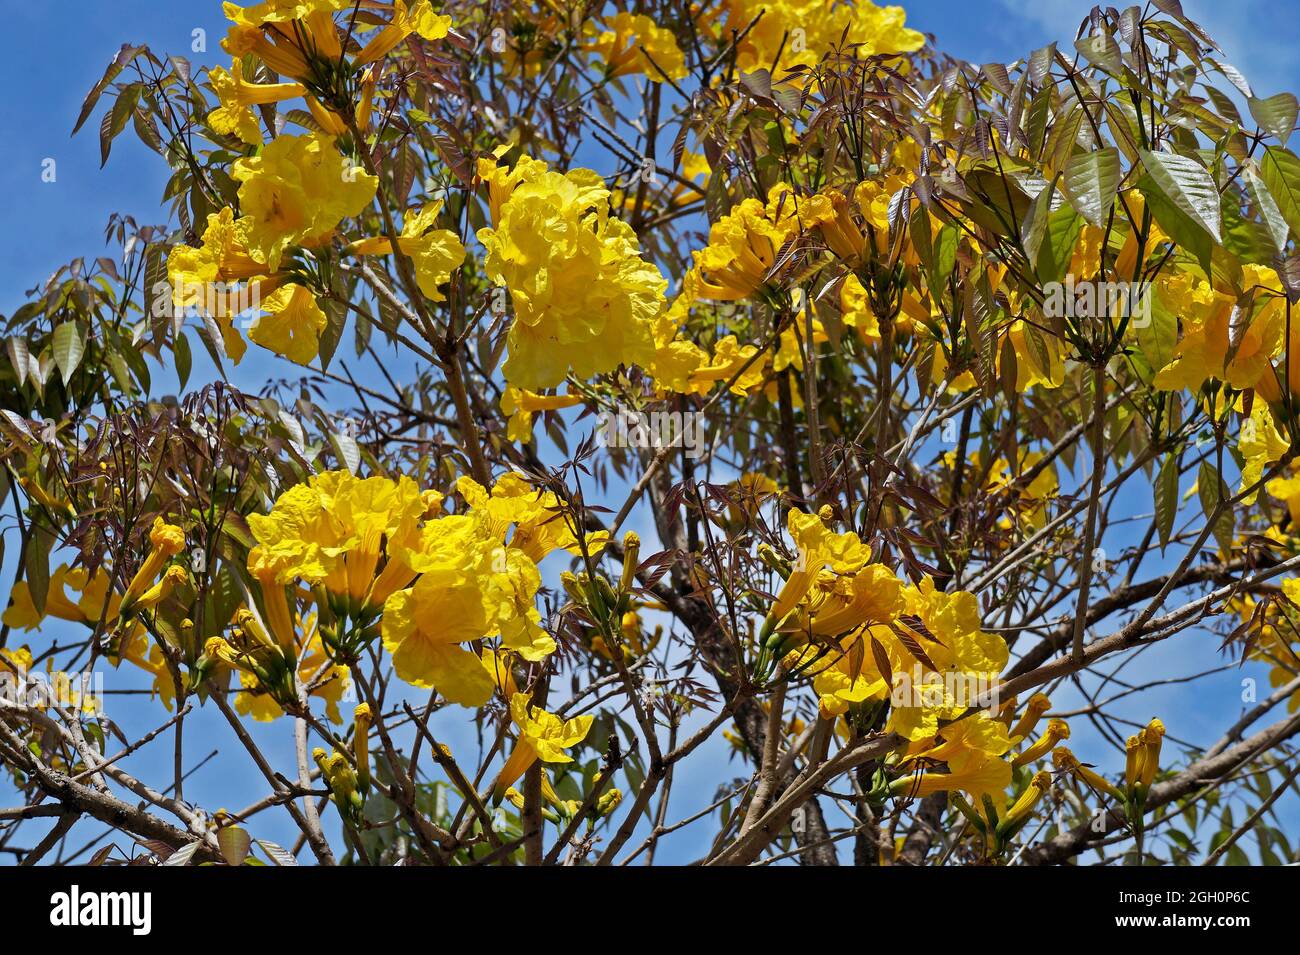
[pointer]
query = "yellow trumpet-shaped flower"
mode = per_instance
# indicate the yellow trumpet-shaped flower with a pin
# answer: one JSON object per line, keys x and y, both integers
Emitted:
{"x": 435, "y": 253}
{"x": 171, "y": 578}
{"x": 277, "y": 50}
{"x": 95, "y": 599}
{"x": 763, "y": 29}
{"x": 976, "y": 773}
{"x": 521, "y": 405}
{"x": 1132, "y": 762}
{"x": 1208, "y": 318}
{"x": 1151, "y": 738}
{"x": 1023, "y": 806}
{"x": 634, "y": 43}
{"x": 344, "y": 786}
{"x": 335, "y": 530}
{"x": 830, "y": 213}
{"x": 744, "y": 246}
{"x": 287, "y": 35}
{"x": 1038, "y": 705}
{"x": 531, "y": 520}
{"x": 543, "y": 736}
{"x": 297, "y": 190}
{"x": 818, "y": 548}
{"x": 584, "y": 298}
{"x": 165, "y": 541}
{"x": 1057, "y": 730}
{"x": 236, "y": 97}
{"x": 57, "y": 506}
{"x": 730, "y": 360}
{"x": 292, "y": 325}
{"x": 361, "y": 742}
{"x": 271, "y": 580}
{"x": 1260, "y": 443}
{"x": 1066, "y": 762}
{"x": 419, "y": 18}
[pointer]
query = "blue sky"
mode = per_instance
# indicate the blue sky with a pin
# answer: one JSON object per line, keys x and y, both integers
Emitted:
{"x": 53, "y": 52}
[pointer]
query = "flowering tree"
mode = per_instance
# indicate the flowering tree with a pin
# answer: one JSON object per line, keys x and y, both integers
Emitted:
{"x": 749, "y": 404}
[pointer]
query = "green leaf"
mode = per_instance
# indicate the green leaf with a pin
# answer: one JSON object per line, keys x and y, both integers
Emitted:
{"x": 1211, "y": 489}
{"x": 115, "y": 120}
{"x": 1266, "y": 204}
{"x": 1102, "y": 51}
{"x": 1186, "y": 233}
{"x": 234, "y": 843}
{"x": 1188, "y": 185}
{"x": 183, "y": 855}
{"x": 348, "y": 451}
{"x": 1090, "y": 182}
{"x": 1277, "y": 114}
{"x": 69, "y": 346}
{"x": 1059, "y": 240}
{"x": 36, "y": 565}
{"x": 336, "y": 316}
{"x": 1166, "y": 494}
{"x": 184, "y": 359}
{"x": 1280, "y": 170}
{"x": 124, "y": 56}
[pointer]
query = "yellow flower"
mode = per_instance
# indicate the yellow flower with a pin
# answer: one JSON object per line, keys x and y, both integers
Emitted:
{"x": 975, "y": 772}
{"x": 630, "y": 45}
{"x": 1028, "y": 362}
{"x": 344, "y": 787}
{"x": 584, "y": 299}
{"x": 165, "y": 542}
{"x": 1207, "y": 316}
{"x": 676, "y": 359}
{"x": 208, "y": 277}
{"x": 821, "y": 24}
{"x": 730, "y": 359}
{"x": 1057, "y": 730}
{"x": 1022, "y": 807}
{"x": 980, "y": 732}
{"x": 830, "y": 213}
{"x": 1149, "y": 764}
{"x": 1260, "y": 445}
{"x": 1132, "y": 762}
{"x": 543, "y": 736}
{"x": 1066, "y": 762}
{"x": 538, "y": 519}
{"x": 963, "y": 660}
{"x": 1038, "y": 705}
{"x": 174, "y": 576}
{"x": 1287, "y": 489}
{"x": 234, "y": 116}
{"x": 269, "y": 573}
{"x": 522, "y": 405}
{"x": 744, "y": 246}
{"x": 433, "y": 252}
{"x": 498, "y": 664}
{"x": 297, "y": 190}
{"x": 419, "y": 19}
{"x": 361, "y": 742}
{"x": 87, "y": 609}
{"x": 263, "y": 697}
{"x": 287, "y": 34}
{"x": 292, "y": 325}
{"x": 336, "y": 529}
{"x": 470, "y": 587}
